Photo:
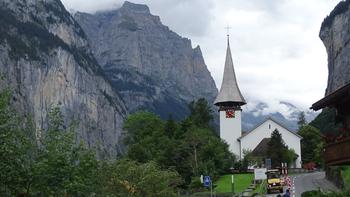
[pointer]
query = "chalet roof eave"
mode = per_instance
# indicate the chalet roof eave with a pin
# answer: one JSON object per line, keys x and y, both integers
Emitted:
{"x": 330, "y": 99}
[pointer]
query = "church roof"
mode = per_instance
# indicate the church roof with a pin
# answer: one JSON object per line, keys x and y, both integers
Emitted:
{"x": 272, "y": 119}
{"x": 229, "y": 91}
{"x": 261, "y": 149}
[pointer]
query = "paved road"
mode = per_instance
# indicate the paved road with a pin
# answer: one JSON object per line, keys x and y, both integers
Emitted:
{"x": 306, "y": 182}
{"x": 311, "y": 181}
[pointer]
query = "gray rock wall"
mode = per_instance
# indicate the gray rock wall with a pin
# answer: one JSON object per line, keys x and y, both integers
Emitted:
{"x": 335, "y": 34}
{"x": 46, "y": 61}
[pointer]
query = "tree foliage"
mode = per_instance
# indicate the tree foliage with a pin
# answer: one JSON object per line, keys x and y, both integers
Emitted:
{"x": 63, "y": 167}
{"x": 161, "y": 156}
{"x": 278, "y": 151}
{"x": 249, "y": 159}
{"x": 15, "y": 165}
{"x": 191, "y": 141}
{"x": 325, "y": 121}
{"x": 301, "y": 119}
{"x": 311, "y": 144}
{"x": 201, "y": 113}
{"x": 129, "y": 178}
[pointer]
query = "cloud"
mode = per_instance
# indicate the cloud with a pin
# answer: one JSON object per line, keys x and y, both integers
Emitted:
{"x": 275, "y": 45}
{"x": 276, "y": 49}
{"x": 175, "y": 13}
{"x": 91, "y": 6}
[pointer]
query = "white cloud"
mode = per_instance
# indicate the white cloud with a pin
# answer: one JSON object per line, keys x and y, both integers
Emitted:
{"x": 275, "y": 45}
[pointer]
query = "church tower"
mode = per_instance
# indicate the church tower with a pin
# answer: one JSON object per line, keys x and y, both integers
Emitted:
{"x": 230, "y": 101}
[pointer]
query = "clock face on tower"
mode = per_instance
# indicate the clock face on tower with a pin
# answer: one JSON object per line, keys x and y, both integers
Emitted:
{"x": 230, "y": 113}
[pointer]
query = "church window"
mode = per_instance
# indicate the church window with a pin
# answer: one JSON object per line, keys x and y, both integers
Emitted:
{"x": 269, "y": 126}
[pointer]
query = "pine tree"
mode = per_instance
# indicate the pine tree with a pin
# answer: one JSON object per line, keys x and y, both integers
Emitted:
{"x": 276, "y": 149}
{"x": 301, "y": 119}
{"x": 201, "y": 113}
{"x": 311, "y": 144}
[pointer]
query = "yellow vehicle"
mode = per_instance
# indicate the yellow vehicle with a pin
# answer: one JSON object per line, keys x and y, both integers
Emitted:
{"x": 274, "y": 183}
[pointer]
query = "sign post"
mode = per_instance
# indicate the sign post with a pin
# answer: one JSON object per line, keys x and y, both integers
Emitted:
{"x": 233, "y": 185}
{"x": 208, "y": 183}
{"x": 260, "y": 174}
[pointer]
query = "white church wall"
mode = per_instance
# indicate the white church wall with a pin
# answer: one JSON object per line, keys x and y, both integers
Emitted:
{"x": 230, "y": 131}
{"x": 251, "y": 140}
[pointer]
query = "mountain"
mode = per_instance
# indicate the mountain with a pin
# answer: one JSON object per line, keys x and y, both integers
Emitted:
{"x": 98, "y": 70}
{"x": 149, "y": 65}
{"x": 335, "y": 34}
{"x": 100, "y": 67}
{"x": 287, "y": 115}
{"x": 152, "y": 67}
{"x": 46, "y": 61}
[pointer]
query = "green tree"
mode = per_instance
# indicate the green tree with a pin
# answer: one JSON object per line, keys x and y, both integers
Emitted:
{"x": 15, "y": 164}
{"x": 276, "y": 149}
{"x": 251, "y": 160}
{"x": 192, "y": 142}
{"x": 200, "y": 113}
{"x": 171, "y": 128}
{"x": 146, "y": 137}
{"x": 311, "y": 144}
{"x": 289, "y": 156}
{"x": 301, "y": 119}
{"x": 325, "y": 121}
{"x": 141, "y": 126}
{"x": 208, "y": 153}
{"x": 129, "y": 178}
{"x": 63, "y": 167}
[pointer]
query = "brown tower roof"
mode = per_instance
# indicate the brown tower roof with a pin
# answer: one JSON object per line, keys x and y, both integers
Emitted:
{"x": 229, "y": 91}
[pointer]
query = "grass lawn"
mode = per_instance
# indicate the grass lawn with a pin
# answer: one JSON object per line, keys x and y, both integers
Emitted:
{"x": 242, "y": 181}
{"x": 346, "y": 175}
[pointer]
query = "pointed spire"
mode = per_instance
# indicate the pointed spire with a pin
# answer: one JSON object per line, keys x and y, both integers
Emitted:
{"x": 229, "y": 92}
{"x": 228, "y": 41}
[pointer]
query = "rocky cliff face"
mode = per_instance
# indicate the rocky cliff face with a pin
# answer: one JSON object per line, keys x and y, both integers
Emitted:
{"x": 335, "y": 34}
{"x": 45, "y": 59}
{"x": 148, "y": 64}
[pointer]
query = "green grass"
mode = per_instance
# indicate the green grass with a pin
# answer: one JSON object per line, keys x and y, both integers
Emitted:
{"x": 346, "y": 175}
{"x": 261, "y": 188}
{"x": 242, "y": 181}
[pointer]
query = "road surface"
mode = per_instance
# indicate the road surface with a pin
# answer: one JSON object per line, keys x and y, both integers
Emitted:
{"x": 306, "y": 182}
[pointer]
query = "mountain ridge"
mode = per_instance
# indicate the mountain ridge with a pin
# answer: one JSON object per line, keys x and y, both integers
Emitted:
{"x": 132, "y": 39}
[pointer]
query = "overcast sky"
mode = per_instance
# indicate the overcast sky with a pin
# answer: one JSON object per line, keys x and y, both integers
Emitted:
{"x": 275, "y": 45}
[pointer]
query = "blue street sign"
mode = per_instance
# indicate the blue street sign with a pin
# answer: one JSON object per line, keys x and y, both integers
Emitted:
{"x": 207, "y": 181}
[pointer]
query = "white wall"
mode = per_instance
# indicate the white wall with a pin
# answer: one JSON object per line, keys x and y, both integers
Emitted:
{"x": 230, "y": 131}
{"x": 251, "y": 140}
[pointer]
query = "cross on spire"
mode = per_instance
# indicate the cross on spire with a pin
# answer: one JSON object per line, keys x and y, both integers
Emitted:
{"x": 228, "y": 34}
{"x": 228, "y": 30}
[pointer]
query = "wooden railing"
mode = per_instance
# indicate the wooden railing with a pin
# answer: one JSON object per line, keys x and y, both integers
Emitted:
{"x": 338, "y": 153}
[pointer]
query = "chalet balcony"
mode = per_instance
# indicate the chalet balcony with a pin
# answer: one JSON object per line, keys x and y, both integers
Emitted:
{"x": 338, "y": 153}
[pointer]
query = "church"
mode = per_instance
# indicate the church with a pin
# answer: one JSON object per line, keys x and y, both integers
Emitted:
{"x": 229, "y": 101}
